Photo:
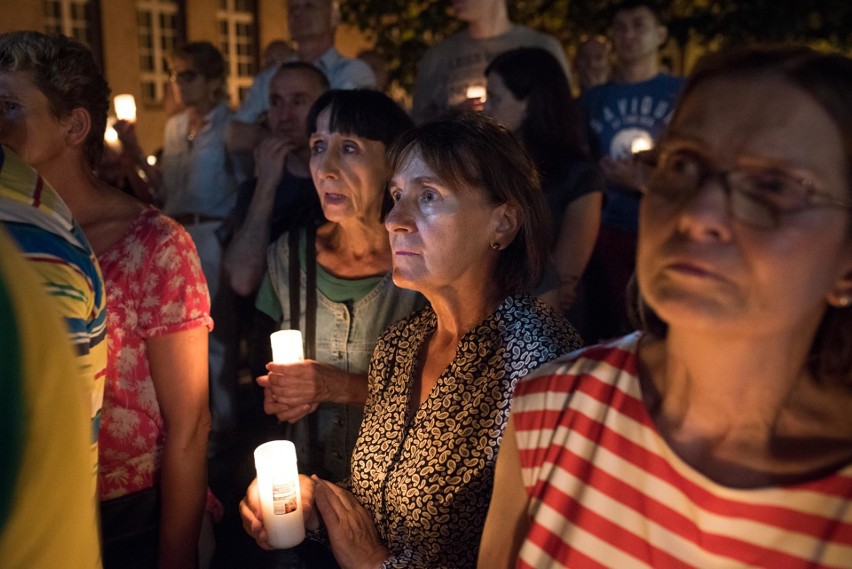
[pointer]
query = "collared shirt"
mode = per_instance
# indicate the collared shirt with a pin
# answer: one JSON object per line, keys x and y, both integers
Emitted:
{"x": 198, "y": 177}
{"x": 156, "y": 288}
{"x": 55, "y": 246}
{"x": 45, "y": 434}
{"x": 341, "y": 72}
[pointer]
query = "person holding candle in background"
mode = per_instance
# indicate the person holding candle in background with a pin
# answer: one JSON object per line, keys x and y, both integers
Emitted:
{"x": 592, "y": 61}
{"x": 527, "y": 93}
{"x": 718, "y": 435}
{"x": 123, "y": 163}
{"x": 626, "y": 115}
{"x": 468, "y": 229}
{"x": 450, "y": 74}
{"x": 153, "y": 437}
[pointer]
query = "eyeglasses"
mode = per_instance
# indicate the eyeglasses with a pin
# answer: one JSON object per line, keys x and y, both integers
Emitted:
{"x": 187, "y": 76}
{"x": 759, "y": 197}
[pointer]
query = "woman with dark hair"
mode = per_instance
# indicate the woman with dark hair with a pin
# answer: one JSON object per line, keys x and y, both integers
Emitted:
{"x": 152, "y": 441}
{"x": 528, "y": 93}
{"x": 337, "y": 276}
{"x": 464, "y": 230}
{"x": 718, "y": 435}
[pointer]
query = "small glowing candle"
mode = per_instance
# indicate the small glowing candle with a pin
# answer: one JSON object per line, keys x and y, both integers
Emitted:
{"x": 125, "y": 107}
{"x": 475, "y": 92}
{"x": 641, "y": 144}
{"x": 111, "y": 136}
{"x": 280, "y": 495}
{"x": 287, "y": 346}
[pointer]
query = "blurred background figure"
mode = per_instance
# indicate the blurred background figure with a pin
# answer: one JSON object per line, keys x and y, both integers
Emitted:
{"x": 277, "y": 52}
{"x": 530, "y": 96}
{"x": 379, "y": 66}
{"x": 718, "y": 434}
{"x": 592, "y": 62}
{"x": 125, "y": 166}
{"x": 199, "y": 190}
{"x": 451, "y": 73}
{"x": 626, "y": 116}
{"x": 153, "y": 437}
{"x": 44, "y": 430}
{"x": 312, "y": 25}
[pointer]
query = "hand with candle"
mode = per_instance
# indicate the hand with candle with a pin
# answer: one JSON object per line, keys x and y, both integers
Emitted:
{"x": 252, "y": 515}
{"x": 292, "y": 391}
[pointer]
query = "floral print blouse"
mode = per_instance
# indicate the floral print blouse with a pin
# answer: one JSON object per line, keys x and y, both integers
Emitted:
{"x": 154, "y": 287}
{"x": 428, "y": 481}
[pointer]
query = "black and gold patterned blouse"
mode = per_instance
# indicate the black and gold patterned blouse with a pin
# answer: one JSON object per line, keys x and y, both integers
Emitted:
{"x": 428, "y": 483}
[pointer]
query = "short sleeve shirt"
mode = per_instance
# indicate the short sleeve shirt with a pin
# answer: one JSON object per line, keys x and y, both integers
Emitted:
{"x": 156, "y": 288}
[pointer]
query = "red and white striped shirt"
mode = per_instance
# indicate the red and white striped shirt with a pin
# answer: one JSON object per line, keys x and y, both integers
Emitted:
{"x": 607, "y": 491}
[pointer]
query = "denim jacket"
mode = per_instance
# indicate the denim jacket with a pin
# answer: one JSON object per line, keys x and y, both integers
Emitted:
{"x": 346, "y": 334}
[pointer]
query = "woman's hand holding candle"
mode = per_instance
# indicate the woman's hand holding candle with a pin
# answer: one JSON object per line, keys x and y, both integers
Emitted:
{"x": 292, "y": 391}
{"x": 252, "y": 515}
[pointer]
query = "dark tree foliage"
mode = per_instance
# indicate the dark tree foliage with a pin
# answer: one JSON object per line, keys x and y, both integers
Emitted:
{"x": 404, "y": 29}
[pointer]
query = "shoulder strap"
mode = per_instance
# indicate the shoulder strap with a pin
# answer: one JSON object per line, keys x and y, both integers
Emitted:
{"x": 294, "y": 276}
{"x": 311, "y": 286}
{"x": 311, "y": 291}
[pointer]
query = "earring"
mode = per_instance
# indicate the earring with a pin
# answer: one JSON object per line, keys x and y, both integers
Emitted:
{"x": 844, "y": 301}
{"x": 495, "y": 246}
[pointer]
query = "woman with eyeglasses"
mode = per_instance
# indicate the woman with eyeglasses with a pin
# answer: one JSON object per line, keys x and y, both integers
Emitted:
{"x": 719, "y": 434}
{"x": 199, "y": 190}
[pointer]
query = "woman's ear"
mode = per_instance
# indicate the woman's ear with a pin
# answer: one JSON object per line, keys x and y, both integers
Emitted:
{"x": 78, "y": 125}
{"x": 507, "y": 224}
{"x": 841, "y": 294}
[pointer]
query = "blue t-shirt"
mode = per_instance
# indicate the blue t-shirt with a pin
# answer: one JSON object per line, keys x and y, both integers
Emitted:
{"x": 618, "y": 114}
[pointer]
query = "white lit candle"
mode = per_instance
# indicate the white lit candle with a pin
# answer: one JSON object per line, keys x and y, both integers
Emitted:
{"x": 641, "y": 144}
{"x": 125, "y": 107}
{"x": 280, "y": 495}
{"x": 287, "y": 347}
{"x": 475, "y": 92}
{"x": 111, "y": 136}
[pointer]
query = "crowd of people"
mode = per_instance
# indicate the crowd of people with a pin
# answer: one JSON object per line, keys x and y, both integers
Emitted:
{"x": 446, "y": 265}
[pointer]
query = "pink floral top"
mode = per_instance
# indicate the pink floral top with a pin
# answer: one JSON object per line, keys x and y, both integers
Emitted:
{"x": 154, "y": 287}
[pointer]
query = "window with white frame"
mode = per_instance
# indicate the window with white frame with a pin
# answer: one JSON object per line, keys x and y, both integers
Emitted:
{"x": 157, "y": 22}
{"x": 237, "y": 41}
{"x": 69, "y": 17}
